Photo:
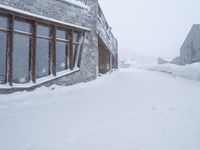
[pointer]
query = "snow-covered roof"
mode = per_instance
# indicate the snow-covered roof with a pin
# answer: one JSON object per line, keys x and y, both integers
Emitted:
{"x": 43, "y": 17}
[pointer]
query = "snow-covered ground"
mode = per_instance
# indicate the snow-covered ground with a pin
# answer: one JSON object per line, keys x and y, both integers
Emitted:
{"x": 129, "y": 109}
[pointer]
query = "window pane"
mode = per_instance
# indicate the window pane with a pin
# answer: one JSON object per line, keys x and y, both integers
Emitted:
{"x": 43, "y": 30}
{"x": 3, "y": 41}
{"x": 42, "y": 57}
{"x": 21, "y": 53}
{"x": 22, "y": 26}
{"x": 3, "y": 22}
{"x": 60, "y": 34}
{"x": 76, "y": 37}
{"x": 61, "y": 56}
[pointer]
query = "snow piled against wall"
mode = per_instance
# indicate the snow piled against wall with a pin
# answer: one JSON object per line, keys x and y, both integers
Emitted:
{"x": 190, "y": 71}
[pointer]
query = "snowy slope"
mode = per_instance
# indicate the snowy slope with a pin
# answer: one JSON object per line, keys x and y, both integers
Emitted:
{"x": 127, "y": 110}
{"x": 129, "y": 55}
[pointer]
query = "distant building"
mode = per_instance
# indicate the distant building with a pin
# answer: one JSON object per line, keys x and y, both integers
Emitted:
{"x": 190, "y": 50}
{"x": 45, "y": 42}
{"x": 165, "y": 60}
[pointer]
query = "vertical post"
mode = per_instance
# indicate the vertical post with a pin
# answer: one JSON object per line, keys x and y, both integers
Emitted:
{"x": 71, "y": 64}
{"x": 81, "y": 50}
{"x": 33, "y": 53}
{"x": 54, "y": 52}
{"x": 10, "y": 50}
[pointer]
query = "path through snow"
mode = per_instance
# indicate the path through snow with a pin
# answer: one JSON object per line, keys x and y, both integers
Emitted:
{"x": 126, "y": 110}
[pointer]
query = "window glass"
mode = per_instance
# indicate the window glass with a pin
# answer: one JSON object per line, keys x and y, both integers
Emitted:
{"x": 61, "y": 56}
{"x": 42, "y": 57}
{"x": 3, "y": 43}
{"x": 22, "y": 26}
{"x": 60, "y": 34}
{"x": 43, "y": 30}
{"x": 76, "y": 37}
{"x": 3, "y": 22}
{"x": 21, "y": 53}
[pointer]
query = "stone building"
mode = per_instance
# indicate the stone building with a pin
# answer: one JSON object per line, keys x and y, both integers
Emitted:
{"x": 45, "y": 42}
{"x": 190, "y": 50}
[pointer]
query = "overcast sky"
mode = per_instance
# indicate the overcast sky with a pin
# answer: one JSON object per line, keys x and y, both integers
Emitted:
{"x": 151, "y": 27}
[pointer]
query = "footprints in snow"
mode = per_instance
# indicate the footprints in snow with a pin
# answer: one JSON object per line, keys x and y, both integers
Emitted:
{"x": 170, "y": 109}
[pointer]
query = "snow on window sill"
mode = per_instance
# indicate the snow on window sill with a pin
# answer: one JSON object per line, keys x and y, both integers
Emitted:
{"x": 40, "y": 80}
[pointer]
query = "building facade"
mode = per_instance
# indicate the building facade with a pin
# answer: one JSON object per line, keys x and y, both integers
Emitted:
{"x": 190, "y": 50}
{"x": 45, "y": 42}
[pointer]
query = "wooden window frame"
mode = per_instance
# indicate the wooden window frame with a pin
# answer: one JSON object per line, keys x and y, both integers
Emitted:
{"x": 6, "y": 30}
{"x": 66, "y": 41}
{"x": 27, "y": 34}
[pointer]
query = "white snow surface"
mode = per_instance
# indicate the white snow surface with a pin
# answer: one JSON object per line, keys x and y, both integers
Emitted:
{"x": 130, "y": 109}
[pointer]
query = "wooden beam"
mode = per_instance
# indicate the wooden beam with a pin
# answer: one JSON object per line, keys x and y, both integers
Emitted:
{"x": 81, "y": 51}
{"x": 71, "y": 60}
{"x": 10, "y": 50}
{"x": 54, "y": 51}
{"x": 33, "y": 52}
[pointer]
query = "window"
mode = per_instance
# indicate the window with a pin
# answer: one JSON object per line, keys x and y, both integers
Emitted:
{"x": 35, "y": 48}
{"x": 3, "y": 48}
{"x": 42, "y": 51}
{"x": 61, "y": 50}
{"x": 21, "y": 51}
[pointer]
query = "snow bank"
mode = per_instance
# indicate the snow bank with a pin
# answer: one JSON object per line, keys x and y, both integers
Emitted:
{"x": 191, "y": 71}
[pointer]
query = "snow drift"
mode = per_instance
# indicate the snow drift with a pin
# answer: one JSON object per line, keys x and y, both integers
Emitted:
{"x": 190, "y": 71}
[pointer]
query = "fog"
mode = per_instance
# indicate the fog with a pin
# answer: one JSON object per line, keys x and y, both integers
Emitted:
{"x": 151, "y": 27}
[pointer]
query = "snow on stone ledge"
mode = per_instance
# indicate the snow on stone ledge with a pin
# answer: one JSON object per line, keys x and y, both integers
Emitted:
{"x": 40, "y": 80}
{"x": 42, "y": 17}
{"x": 190, "y": 71}
{"x": 76, "y": 2}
